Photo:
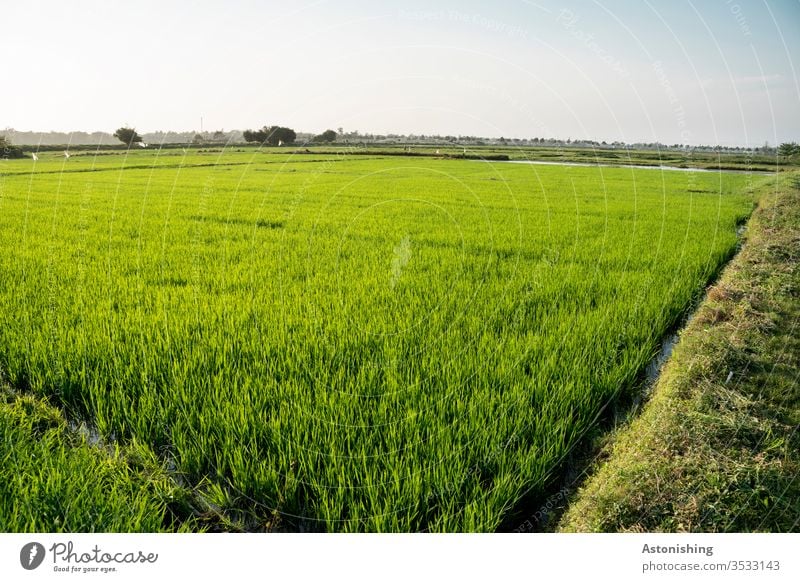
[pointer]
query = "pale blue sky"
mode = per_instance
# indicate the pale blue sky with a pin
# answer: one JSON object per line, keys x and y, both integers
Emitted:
{"x": 706, "y": 71}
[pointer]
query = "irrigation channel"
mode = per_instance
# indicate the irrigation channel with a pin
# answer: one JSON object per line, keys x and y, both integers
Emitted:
{"x": 543, "y": 514}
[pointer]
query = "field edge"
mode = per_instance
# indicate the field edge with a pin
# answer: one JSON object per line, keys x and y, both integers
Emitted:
{"x": 717, "y": 448}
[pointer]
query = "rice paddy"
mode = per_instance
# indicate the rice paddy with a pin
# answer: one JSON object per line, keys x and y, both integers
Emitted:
{"x": 345, "y": 343}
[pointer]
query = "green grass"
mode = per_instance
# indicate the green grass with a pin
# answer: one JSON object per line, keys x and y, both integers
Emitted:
{"x": 349, "y": 343}
{"x": 717, "y": 449}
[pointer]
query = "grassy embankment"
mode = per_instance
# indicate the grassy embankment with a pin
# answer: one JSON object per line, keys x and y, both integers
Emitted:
{"x": 717, "y": 449}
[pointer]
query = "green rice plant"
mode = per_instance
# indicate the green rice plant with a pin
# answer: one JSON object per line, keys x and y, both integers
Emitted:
{"x": 57, "y": 480}
{"x": 349, "y": 343}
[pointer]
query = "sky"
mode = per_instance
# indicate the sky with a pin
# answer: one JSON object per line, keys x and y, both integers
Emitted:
{"x": 690, "y": 72}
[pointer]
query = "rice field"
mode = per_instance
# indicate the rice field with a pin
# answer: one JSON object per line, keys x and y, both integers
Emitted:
{"x": 345, "y": 343}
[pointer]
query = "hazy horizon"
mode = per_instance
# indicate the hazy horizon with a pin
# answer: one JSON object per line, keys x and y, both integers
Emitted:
{"x": 696, "y": 74}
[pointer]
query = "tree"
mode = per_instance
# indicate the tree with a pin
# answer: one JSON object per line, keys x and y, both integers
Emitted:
{"x": 127, "y": 135}
{"x": 251, "y": 136}
{"x": 281, "y": 134}
{"x": 789, "y": 149}
{"x": 327, "y": 136}
{"x": 7, "y": 150}
{"x": 272, "y": 135}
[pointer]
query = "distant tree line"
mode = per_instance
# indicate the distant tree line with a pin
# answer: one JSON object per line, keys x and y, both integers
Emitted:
{"x": 273, "y": 135}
